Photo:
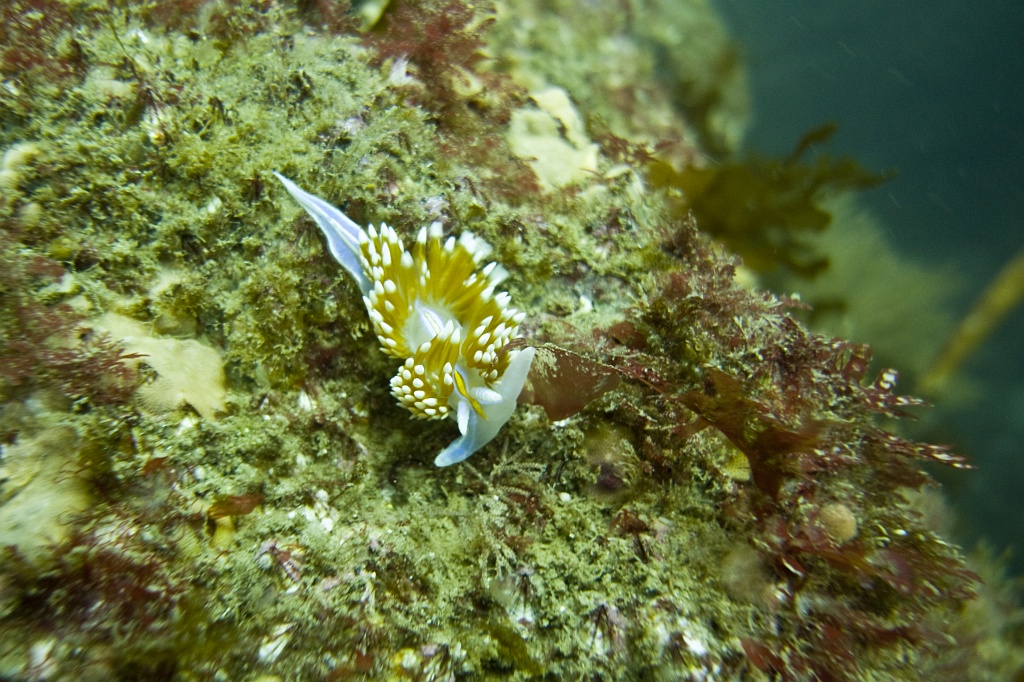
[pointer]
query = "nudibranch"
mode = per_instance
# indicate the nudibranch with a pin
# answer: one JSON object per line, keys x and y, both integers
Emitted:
{"x": 435, "y": 309}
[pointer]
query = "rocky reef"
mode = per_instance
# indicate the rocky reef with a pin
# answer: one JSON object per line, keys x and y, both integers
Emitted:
{"x": 205, "y": 476}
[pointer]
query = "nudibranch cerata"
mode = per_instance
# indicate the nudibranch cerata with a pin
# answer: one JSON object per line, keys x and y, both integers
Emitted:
{"x": 434, "y": 308}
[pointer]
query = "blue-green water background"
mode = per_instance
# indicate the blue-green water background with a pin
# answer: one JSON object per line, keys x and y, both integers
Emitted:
{"x": 935, "y": 90}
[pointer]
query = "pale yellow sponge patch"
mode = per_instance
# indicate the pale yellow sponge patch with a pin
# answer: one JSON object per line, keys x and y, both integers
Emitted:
{"x": 39, "y": 492}
{"x": 184, "y": 371}
{"x": 552, "y": 138}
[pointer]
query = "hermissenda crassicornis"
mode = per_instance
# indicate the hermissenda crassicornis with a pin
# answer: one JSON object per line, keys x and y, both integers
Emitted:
{"x": 435, "y": 308}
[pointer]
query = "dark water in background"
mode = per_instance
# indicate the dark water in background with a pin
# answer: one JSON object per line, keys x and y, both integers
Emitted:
{"x": 935, "y": 90}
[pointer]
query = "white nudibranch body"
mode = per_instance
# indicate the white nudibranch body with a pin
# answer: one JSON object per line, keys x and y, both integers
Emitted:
{"x": 434, "y": 308}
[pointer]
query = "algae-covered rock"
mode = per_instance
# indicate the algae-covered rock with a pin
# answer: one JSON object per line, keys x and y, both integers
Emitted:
{"x": 728, "y": 505}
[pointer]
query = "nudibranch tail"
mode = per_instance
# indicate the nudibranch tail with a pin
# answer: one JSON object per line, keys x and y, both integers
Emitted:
{"x": 341, "y": 231}
{"x": 434, "y": 307}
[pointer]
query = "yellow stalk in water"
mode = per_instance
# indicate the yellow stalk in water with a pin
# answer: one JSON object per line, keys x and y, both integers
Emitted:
{"x": 1003, "y": 295}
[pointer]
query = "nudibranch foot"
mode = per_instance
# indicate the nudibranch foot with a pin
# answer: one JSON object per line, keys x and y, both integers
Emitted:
{"x": 478, "y": 430}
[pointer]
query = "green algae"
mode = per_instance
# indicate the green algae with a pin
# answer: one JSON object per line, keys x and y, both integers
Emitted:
{"x": 559, "y": 552}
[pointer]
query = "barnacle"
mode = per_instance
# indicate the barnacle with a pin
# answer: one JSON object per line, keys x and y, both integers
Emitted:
{"x": 434, "y": 307}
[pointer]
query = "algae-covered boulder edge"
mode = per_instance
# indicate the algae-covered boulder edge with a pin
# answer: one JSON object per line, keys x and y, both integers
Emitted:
{"x": 283, "y": 519}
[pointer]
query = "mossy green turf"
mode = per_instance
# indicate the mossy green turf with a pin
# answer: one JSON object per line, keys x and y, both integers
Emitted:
{"x": 362, "y": 557}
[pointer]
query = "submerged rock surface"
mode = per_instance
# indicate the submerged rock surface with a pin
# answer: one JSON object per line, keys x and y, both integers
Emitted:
{"x": 731, "y": 510}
